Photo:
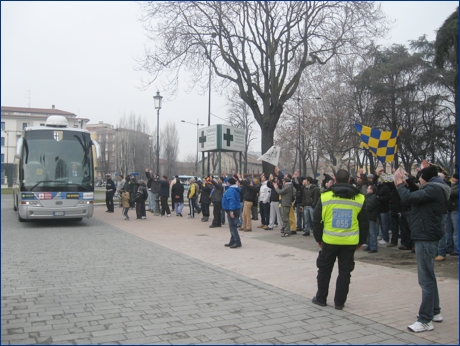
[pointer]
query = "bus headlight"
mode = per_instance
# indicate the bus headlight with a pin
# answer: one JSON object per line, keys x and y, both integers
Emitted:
{"x": 32, "y": 203}
{"x": 85, "y": 202}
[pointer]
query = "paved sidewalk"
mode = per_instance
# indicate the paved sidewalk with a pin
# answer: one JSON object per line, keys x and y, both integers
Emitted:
{"x": 381, "y": 298}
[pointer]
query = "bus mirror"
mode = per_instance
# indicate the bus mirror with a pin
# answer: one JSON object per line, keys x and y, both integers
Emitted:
{"x": 19, "y": 146}
{"x": 98, "y": 148}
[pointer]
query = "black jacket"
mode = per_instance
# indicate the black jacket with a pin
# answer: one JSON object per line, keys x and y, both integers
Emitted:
{"x": 372, "y": 206}
{"x": 383, "y": 194}
{"x": 110, "y": 186}
{"x": 344, "y": 191}
{"x": 452, "y": 204}
{"x": 218, "y": 192}
{"x": 274, "y": 196}
{"x": 164, "y": 188}
{"x": 177, "y": 192}
{"x": 310, "y": 196}
{"x": 250, "y": 192}
{"x": 427, "y": 207}
{"x": 206, "y": 193}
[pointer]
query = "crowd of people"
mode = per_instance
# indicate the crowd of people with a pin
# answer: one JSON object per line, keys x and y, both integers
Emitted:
{"x": 343, "y": 213}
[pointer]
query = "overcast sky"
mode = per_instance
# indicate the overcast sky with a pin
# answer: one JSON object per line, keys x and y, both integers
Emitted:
{"x": 79, "y": 56}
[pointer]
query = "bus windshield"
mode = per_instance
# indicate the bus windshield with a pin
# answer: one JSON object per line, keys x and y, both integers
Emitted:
{"x": 57, "y": 160}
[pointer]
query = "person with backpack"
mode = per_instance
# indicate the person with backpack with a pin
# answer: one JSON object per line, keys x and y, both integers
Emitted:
{"x": 164, "y": 195}
{"x": 177, "y": 196}
{"x": 140, "y": 198}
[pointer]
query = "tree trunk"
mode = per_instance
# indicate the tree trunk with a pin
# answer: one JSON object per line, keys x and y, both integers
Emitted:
{"x": 268, "y": 133}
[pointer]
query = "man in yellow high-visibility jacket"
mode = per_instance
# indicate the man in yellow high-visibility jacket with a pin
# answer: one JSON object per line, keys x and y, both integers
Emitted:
{"x": 340, "y": 227}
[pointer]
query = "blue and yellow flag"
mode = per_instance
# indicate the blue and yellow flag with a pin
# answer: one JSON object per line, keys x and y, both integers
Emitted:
{"x": 382, "y": 144}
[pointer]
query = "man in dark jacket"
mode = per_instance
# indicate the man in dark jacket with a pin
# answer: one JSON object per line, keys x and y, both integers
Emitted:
{"x": 110, "y": 189}
{"x": 163, "y": 192}
{"x": 383, "y": 194}
{"x": 427, "y": 204}
{"x": 250, "y": 195}
{"x": 141, "y": 197}
{"x": 275, "y": 213}
{"x": 149, "y": 175}
{"x": 216, "y": 199}
{"x": 177, "y": 196}
{"x": 205, "y": 198}
{"x": 340, "y": 227}
{"x": 310, "y": 197}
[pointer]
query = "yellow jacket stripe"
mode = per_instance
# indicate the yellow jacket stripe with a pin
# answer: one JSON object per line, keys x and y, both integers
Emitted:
{"x": 340, "y": 218}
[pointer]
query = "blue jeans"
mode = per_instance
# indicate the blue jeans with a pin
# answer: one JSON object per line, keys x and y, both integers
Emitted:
{"x": 152, "y": 198}
{"x": 442, "y": 242}
{"x": 384, "y": 222}
{"x": 299, "y": 217}
{"x": 307, "y": 219}
{"x": 232, "y": 224}
{"x": 240, "y": 221}
{"x": 452, "y": 231}
{"x": 426, "y": 252}
{"x": 178, "y": 206}
{"x": 372, "y": 237}
{"x": 222, "y": 217}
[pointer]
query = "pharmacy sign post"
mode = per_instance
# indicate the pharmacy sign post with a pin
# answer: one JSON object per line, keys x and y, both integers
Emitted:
{"x": 220, "y": 138}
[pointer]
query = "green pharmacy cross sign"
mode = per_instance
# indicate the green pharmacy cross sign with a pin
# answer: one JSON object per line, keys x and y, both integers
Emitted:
{"x": 202, "y": 139}
{"x": 221, "y": 138}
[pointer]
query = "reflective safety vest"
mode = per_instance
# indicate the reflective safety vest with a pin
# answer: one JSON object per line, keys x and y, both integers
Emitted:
{"x": 340, "y": 218}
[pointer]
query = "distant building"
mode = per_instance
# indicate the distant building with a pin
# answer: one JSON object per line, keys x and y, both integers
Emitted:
{"x": 16, "y": 119}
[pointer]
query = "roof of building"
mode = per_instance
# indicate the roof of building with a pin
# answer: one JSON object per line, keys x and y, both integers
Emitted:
{"x": 47, "y": 111}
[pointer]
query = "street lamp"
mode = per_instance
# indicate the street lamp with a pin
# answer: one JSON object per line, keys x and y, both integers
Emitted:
{"x": 298, "y": 138}
{"x": 157, "y": 101}
{"x": 213, "y": 35}
{"x": 197, "y": 141}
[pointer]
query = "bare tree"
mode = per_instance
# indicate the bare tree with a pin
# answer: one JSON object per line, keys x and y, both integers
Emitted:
{"x": 132, "y": 139}
{"x": 239, "y": 115}
{"x": 170, "y": 150}
{"x": 261, "y": 48}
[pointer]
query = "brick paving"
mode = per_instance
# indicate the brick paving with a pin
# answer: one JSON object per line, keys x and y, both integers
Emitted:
{"x": 171, "y": 281}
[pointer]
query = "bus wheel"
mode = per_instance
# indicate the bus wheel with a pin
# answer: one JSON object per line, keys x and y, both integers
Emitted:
{"x": 21, "y": 219}
{"x": 15, "y": 202}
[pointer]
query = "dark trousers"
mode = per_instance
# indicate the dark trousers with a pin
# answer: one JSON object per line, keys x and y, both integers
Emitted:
{"x": 265, "y": 213}
{"x": 140, "y": 209}
{"x": 394, "y": 226}
{"x": 109, "y": 200}
{"x": 254, "y": 211}
{"x": 404, "y": 224}
{"x": 325, "y": 264}
{"x": 217, "y": 209}
{"x": 164, "y": 205}
{"x": 205, "y": 209}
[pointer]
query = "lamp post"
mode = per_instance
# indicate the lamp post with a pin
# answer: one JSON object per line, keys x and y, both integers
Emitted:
{"x": 298, "y": 138}
{"x": 197, "y": 141}
{"x": 157, "y": 101}
{"x": 213, "y": 35}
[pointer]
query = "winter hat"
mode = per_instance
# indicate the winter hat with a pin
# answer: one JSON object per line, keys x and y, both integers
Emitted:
{"x": 141, "y": 181}
{"x": 256, "y": 181}
{"x": 428, "y": 173}
{"x": 231, "y": 181}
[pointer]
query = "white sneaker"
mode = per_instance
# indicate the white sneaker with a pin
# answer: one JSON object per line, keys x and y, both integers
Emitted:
{"x": 436, "y": 318}
{"x": 382, "y": 242}
{"x": 419, "y": 327}
{"x": 143, "y": 217}
{"x": 169, "y": 215}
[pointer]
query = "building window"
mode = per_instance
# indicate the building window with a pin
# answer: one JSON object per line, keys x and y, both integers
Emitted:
{"x": 3, "y": 126}
{"x": 24, "y": 125}
{"x": 3, "y": 141}
{"x": 3, "y": 158}
{"x": 42, "y": 124}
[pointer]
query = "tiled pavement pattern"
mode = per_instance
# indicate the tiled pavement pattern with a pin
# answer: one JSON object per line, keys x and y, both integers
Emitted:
{"x": 175, "y": 283}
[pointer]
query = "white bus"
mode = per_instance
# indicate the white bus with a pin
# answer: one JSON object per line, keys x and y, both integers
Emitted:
{"x": 54, "y": 172}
